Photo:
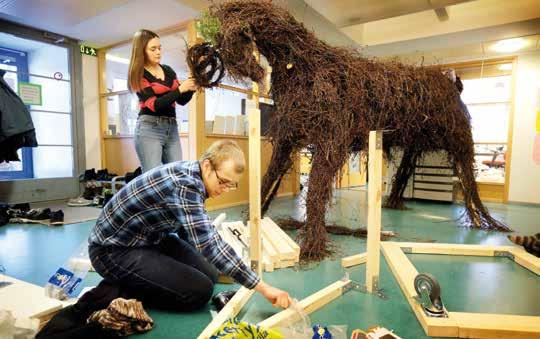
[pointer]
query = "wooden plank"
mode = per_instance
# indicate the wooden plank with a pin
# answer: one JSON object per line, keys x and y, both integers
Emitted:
{"x": 269, "y": 249}
{"x": 405, "y": 272}
{"x": 26, "y": 300}
{"x": 463, "y": 325}
{"x": 374, "y": 210}
{"x": 452, "y": 249}
{"x": 354, "y": 260}
{"x": 308, "y": 305}
{"x": 196, "y": 109}
{"x": 282, "y": 247}
{"x": 526, "y": 260}
{"x": 268, "y": 264}
{"x": 286, "y": 263}
{"x": 481, "y": 325}
{"x": 284, "y": 236}
{"x": 103, "y": 107}
{"x": 255, "y": 189}
{"x": 230, "y": 310}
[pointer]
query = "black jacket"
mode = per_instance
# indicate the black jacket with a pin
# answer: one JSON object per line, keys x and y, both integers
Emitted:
{"x": 16, "y": 127}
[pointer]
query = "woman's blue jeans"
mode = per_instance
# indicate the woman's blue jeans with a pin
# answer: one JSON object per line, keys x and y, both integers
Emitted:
{"x": 157, "y": 141}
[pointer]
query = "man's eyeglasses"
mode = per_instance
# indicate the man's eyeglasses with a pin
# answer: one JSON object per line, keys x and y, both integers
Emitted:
{"x": 226, "y": 183}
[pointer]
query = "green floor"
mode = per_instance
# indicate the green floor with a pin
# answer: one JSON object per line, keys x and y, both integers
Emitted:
{"x": 470, "y": 284}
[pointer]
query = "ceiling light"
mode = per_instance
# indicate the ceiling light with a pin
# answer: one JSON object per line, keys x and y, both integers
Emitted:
{"x": 509, "y": 45}
{"x": 505, "y": 67}
{"x": 111, "y": 57}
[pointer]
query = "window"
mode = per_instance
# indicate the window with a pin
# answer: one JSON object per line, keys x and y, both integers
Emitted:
{"x": 487, "y": 92}
{"x": 45, "y": 65}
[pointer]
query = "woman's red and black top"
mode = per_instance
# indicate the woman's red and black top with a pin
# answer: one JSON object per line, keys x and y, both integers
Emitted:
{"x": 158, "y": 97}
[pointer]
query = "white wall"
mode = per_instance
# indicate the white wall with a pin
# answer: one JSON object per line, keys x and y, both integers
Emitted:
{"x": 524, "y": 172}
{"x": 91, "y": 111}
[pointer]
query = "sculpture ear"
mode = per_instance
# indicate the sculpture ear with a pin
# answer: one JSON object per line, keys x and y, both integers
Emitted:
{"x": 450, "y": 74}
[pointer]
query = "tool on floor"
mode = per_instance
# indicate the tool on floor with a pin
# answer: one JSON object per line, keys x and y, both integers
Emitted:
{"x": 238, "y": 235}
{"x": 429, "y": 295}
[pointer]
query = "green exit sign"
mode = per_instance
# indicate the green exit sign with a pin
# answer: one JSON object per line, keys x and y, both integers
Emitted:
{"x": 89, "y": 50}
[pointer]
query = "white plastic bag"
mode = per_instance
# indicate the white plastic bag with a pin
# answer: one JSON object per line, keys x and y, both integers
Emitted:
{"x": 303, "y": 329}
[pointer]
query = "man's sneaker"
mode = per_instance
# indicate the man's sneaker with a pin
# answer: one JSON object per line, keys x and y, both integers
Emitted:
{"x": 57, "y": 218}
{"x": 38, "y": 214}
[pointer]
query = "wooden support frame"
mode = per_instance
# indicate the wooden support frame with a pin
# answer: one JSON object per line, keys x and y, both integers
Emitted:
{"x": 308, "y": 305}
{"x": 374, "y": 211}
{"x": 229, "y": 311}
{"x": 241, "y": 297}
{"x": 254, "y": 123}
{"x": 354, "y": 260}
{"x": 461, "y": 324}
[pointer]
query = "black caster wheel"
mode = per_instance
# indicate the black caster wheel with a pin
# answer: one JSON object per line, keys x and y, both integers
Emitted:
{"x": 428, "y": 282}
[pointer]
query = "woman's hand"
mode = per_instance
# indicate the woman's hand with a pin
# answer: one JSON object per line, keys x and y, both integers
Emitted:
{"x": 188, "y": 85}
{"x": 277, "y": 297}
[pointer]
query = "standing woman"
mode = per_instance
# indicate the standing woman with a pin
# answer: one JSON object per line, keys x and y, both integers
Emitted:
{"x": 156, "y": 133}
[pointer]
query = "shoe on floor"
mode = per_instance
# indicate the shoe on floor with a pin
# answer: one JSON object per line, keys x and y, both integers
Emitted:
{"x": 79, "y": 202}
{"x": 38, "y": 214}
{"x": 56, "y": 218}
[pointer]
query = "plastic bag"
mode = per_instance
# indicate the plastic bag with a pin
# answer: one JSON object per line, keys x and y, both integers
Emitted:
{"x": 301, "y": 328}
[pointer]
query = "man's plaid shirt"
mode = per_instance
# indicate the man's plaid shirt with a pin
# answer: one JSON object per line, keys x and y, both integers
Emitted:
{"x": 168, "y": 199}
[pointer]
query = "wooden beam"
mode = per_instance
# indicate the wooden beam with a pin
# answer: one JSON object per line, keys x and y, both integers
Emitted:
{"x": 103, "y": 113}
{"x": 283, "y": 236}
{"x": 526, "y": 260}
{"x": 243, "y": 90}
{"x": 374, "y": 210}
{"x": 283, "y": 248}
{"x": 197, "y": 110}
{"x": 482, "y": 325}
{"x": 448, "y": 249}
{"x": 463, "y": 325}
{"x": 254, "y": 135}
{"x": 354, "y": 260}
{"x": 405, "y": 272}
{"x": 269, "y": 249}
{"x": 255, "y": 247}
{"x": 308, "y": 305}
{"x": 230, "y": 310}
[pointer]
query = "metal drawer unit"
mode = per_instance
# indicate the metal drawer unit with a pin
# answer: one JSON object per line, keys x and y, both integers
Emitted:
{"x": 433, "y": 178}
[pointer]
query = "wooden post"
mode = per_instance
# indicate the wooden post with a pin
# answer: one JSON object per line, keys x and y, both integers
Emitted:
{"x": 254, "y": 120}
{"x": 197, "y": 110}
{"x": 374, "y": 211}
{"x": 255, "y": 248}
{"x": 103, "y": 113}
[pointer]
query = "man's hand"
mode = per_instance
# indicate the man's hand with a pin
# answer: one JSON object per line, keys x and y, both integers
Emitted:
{"x": 277, "y": 297}
{"x": 188, "y": 85}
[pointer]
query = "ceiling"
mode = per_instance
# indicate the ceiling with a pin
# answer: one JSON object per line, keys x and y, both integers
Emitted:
{"x": 416, "y": 32}
{"x": 98, "y": 22}
{"x": 381, "y": 27}
{"x": 345, "y": 13}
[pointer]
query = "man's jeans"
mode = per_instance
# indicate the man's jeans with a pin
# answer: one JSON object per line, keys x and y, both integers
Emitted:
{"x": 171, "y": 275}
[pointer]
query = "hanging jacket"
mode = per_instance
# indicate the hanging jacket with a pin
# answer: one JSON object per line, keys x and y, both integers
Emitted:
{"x": 16, "y": 127}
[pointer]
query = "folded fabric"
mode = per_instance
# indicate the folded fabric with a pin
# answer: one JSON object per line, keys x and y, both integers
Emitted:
{"x": 234, "y": 329}
{"x": 124, "y": 317}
